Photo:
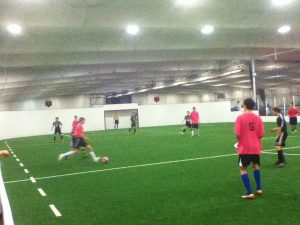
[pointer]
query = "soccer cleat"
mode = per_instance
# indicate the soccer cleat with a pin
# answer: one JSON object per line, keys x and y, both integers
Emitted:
{"x": 280, "y": 165}
{"x": 251, "y": 196}
{"x": 259, "y": 192}
{"x": 97, "y": 159}
{"x": 61, "y": 157}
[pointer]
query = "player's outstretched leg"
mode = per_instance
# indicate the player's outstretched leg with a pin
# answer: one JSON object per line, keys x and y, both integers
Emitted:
{"x": 54, "y": 138}
{"x": 92, "y": 153}
{"x": 67, "y": 154}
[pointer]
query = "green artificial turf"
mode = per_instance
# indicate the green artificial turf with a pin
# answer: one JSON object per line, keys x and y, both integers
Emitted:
{"x": 196, "y": 192}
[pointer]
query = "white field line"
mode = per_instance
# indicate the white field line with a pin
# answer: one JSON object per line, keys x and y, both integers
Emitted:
{"x": 26, "y": 171}
{"x": 138, "y": 166}
{"x": 32, "y": 180}
{"x": 266, "y": 138}
{"x": 18, "y": 160}
{"x": 14, "y": 156}
{"x": 21, "y": 164}
{"x": 41, "y": 191}
{"x": 55, "y": 210}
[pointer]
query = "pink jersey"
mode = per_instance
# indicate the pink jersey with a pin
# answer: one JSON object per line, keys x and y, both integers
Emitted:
{"x": 78, "y": 131}
{"x": 250, "y": 129}
{"x": 194, "y": 117}
{"x": 75, "y": 122}
{"x": 293, "y": 112}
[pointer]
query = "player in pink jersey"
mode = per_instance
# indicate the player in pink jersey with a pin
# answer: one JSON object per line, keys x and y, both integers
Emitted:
{"x": 249, "y": 130}
{"x": 74, "y": 123}
{"x": 195, "y": 121}
{"x": 79, "y": 140}
{"x": 293, "y": 112}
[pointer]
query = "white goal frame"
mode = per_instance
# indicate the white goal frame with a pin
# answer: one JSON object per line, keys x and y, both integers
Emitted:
{"x": 124, "y": 115}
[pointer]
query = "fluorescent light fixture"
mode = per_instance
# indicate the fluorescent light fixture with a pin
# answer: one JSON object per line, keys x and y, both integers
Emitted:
{"x": 243, "y": 81}
{"x": 284, "y": 29}
{"x": 14, "y": 29}
{"x": 207, "y": 29}
{"x": 272, "y": 77}
{"x": 132, "y": 29}
{"x": 219, "y": 85}
{"x": 232, "y": 72}
{"x": 158, "y": 87}
{"x": 210, "y": 81}
{"x": 142, "y": 90}
{"x": 281, "y": 2}
{"x": 201, "y": 79}
{"x": 187, "y": 3}
{"x": 179, "y": 83}
{"x": 237, "y": 76}
{"x": 129, "y": 93}
{"x": 187, "y": 85}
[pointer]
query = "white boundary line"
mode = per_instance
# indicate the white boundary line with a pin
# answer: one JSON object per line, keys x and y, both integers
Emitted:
{"x": 138, "y": 166}
{"x": 41, "y": 191}
{"x": 55, "y": 210}
{"x": 32, "y": 180}
{"x": 26, "y": 171}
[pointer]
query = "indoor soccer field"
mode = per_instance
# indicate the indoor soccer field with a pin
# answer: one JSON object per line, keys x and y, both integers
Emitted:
{"x": 157, "y": 177}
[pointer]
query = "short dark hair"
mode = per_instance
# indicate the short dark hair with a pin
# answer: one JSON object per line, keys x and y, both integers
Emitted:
{"x": 81, "y": 119}
{"x": 276, "y": 109}
{"x": 249, "y": 103}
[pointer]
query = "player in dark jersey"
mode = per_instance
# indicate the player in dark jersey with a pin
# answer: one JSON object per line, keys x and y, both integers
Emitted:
{"x": 57, "y": 129}
{"x": 133, "y": 120}
{"x": 187, "y": 120}
{"x": 281, "y": 136}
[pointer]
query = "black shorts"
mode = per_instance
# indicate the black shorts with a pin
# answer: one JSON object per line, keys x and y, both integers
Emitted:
{"x": 281, "y": 140}
{"x": 78, "y": 142}
{"x": 57, "y": 130}
{"x": 246, "y": 159}
{"x": 188, "y": 124}
{"x": 116, "y": 121}
{"x": 293, "y": 121}
{"x": 195, "y": 125}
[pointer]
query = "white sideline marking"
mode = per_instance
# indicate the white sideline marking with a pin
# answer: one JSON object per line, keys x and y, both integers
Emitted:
{"x": 26, "y": 171}
{"x": 43, "y": 194}
{"x": 12, "y": 152}
{"x": 18, "y": 160}
{"x": 21, "y": 164}
{"x": 140, "y": 165}
{"x": 32, "y": 180}
{"x": 14, "y": 156}
{"x": 55, "y": 211}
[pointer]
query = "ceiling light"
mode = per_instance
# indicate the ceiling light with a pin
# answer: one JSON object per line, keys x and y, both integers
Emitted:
{"x": 201, "y": 79}
{"x": 210, "y": 81}
{"x": 207, "y": 29}
{"x": 243, "y": 81}
{"x": 192, "y": 84}
{"x": 237, "y": 76}
{"x": 284, "y": 29}
{"x": 178, "y": 83}
{"x": 219, "y": 85}
{"x": 132, "y": 29}
{"x": 142, "y": 90}
{"x": 232, "y": 72}
{"x": 158, "y": 87}
{"x": 186, "y": 3}
{"x": 281, "y": 2}
{"x": 14, "y": 29}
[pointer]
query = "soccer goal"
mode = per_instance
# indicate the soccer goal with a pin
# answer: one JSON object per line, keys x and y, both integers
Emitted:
{"x": 124, "y": 118}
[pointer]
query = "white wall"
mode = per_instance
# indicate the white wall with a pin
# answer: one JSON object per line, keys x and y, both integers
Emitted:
{"x": 30, "y": 123}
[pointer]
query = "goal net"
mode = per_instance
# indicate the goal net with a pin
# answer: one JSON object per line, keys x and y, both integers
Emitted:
{"x": 124, "y": 118}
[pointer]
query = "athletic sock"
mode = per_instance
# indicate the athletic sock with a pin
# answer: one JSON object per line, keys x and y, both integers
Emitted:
{"x": 256, "y": 174}
{"x": 93, "y": 155}
{"x": 246, "y": 182}
{"x": 280, "y": 156}
{"x": 193, "y": 133}
{"x": 68, "y": 153}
